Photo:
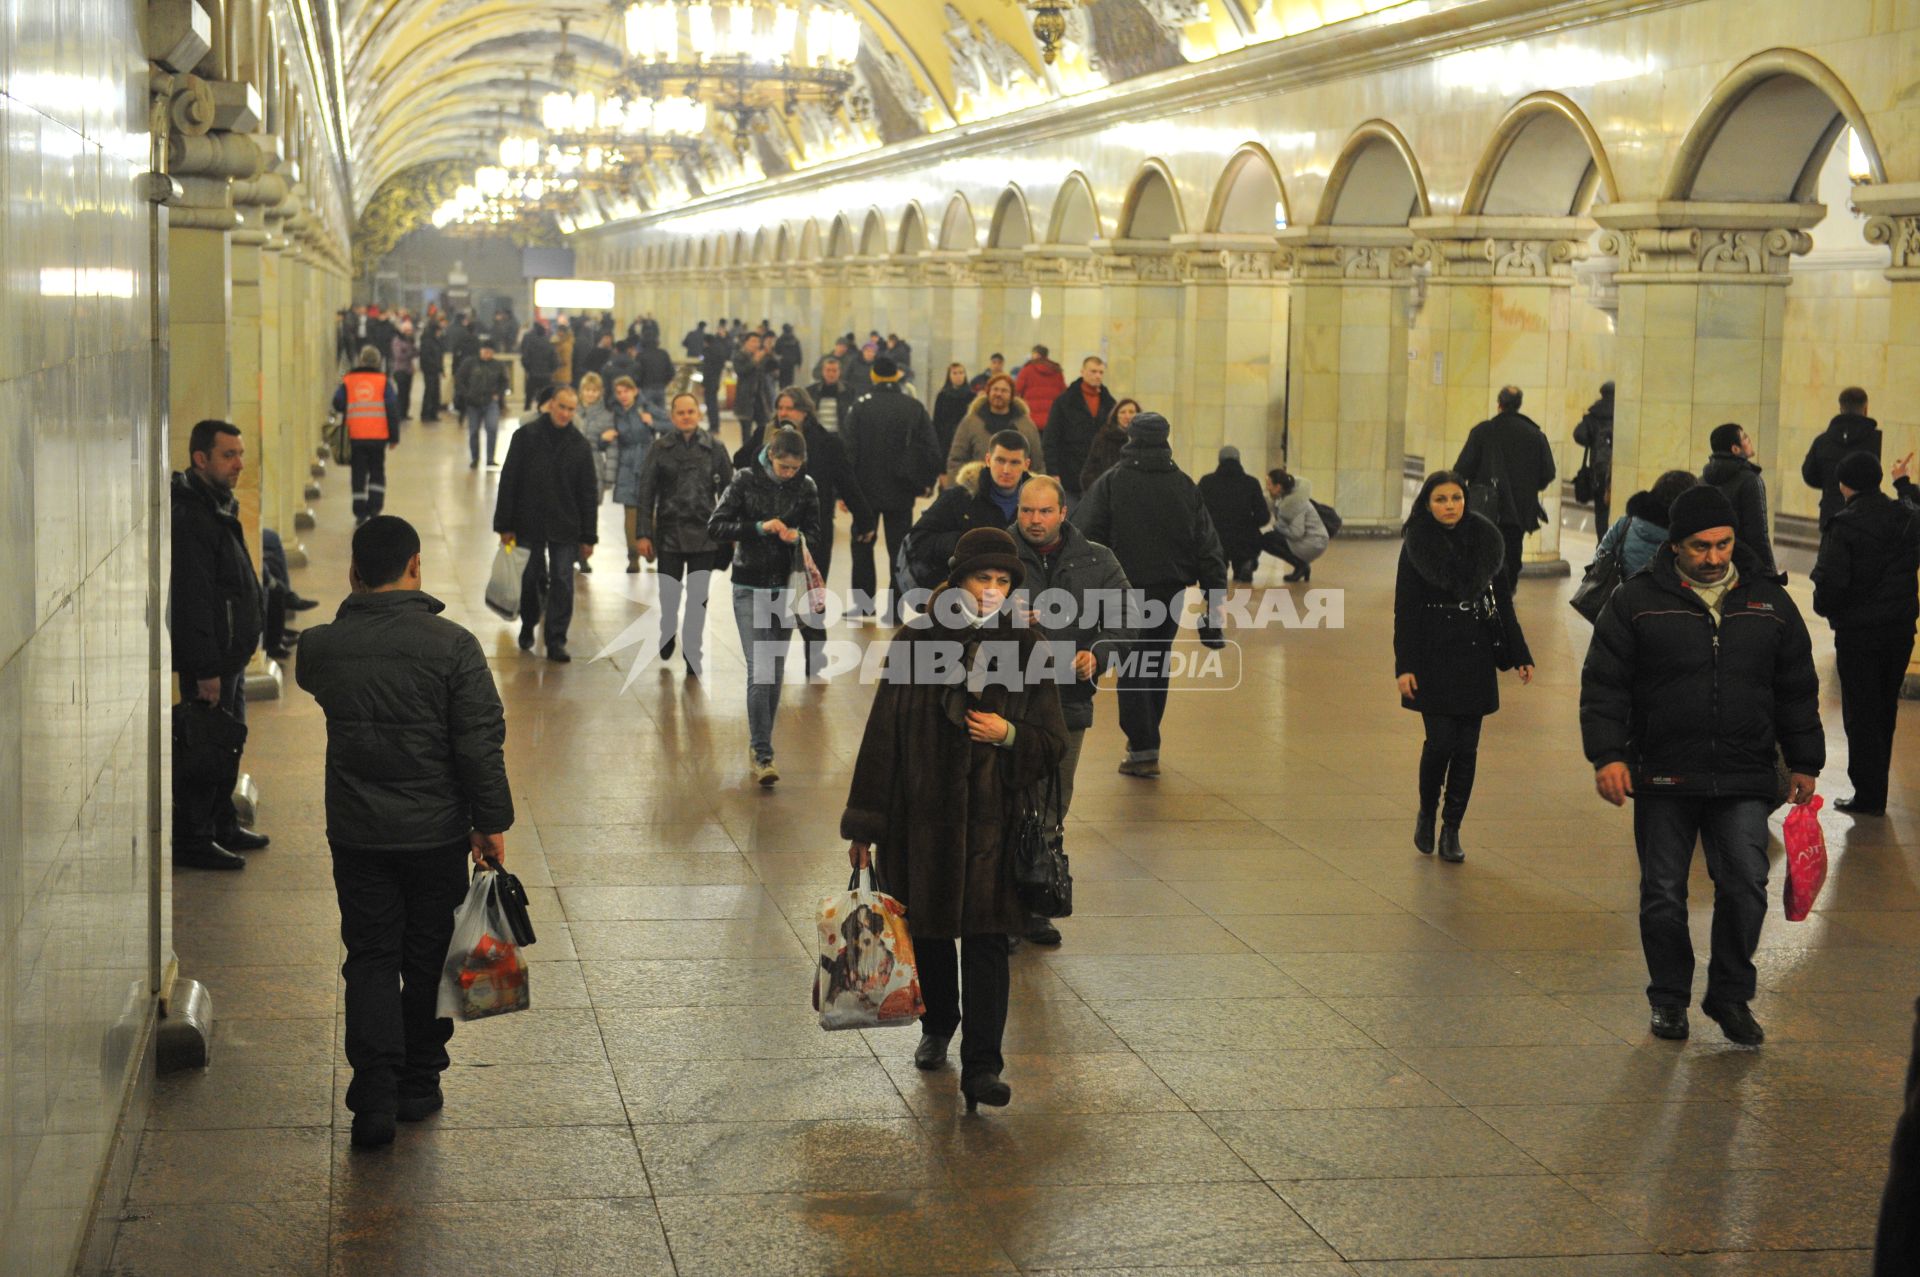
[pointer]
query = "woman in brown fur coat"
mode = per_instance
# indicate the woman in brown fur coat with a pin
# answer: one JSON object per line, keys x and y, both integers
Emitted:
{"x": 965, "y": 721}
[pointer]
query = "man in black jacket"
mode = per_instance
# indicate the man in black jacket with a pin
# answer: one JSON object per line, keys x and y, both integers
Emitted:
{"x": 1151, "y": 515}
{"x": 433, "y": 366}
{"x": 1238, "y": 506}
{"x": 416, "y": 781}
{"x": 538, "y": 362}
{"x": 685, "y": 471}
{"x": 754, "y": 373}
{"x": 1851, "y": 430}
{"x": 1730, "y": 467}
{"x": 1077, "y": 415}
{"x": 549, "y": 502}
{"x": 1509, "y": 452}
{"x": 214, "y": 614}
{"x": 718, "y": 353}
{"x": 1864, "y": 584}
{"x": 889, "y": 439}
{"x": 1700, "y": 675}
{"x": 986, "y": 495}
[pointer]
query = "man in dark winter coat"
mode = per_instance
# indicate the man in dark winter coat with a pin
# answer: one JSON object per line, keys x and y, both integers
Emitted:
{"x": 549, "y": 502}
{"x": 1077, "y": 415}
{"x": 680, "y": 482}
{"x": 1731, "y": 468}
{"x": 1510, "y": 453}
{"x": 433, "y": 367}
{"x": 594, "y": 360}
{"x": 714, "y": 359}
{"x": 1238, "y": 506}
{"x": 695, "y": 342}
{"x": 214, "y": 614}
{"x": 787, "y": 352}
{"x": 1700, "y": 675}
{"x": 1595, "y": 434}
{"x": 416, "y": 782}
{"x": 1152, "y": 516}
{"x": 480, "y": 386}
{"x": 988, "y": 497}
{"x": 653, "y": 372}
{"x": 889, "y": 439}
{"x": 1851, "y": 430}
{"x": 538, "y": 362}
{"x": 755, "y": 370}
{"x": 463, "y": 343}
{"x": 1864, "y": 584}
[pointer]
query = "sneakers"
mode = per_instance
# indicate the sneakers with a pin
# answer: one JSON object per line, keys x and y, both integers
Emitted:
{"x": 1145, "y": 768}
{"x": 765, "y": 774}
{"x": 1736, "y": 1021}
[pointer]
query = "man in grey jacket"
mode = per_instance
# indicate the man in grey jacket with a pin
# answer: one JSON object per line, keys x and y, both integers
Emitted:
{"x": 416, "y": 782}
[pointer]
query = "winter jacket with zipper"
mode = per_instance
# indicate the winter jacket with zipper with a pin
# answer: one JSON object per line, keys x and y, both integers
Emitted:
{"x": 1150, "y": 514}
{"x": 973, "y": 437}
{"x": 1071, "y": 428}
{"x": 828, "y": 467}
{"x": 1868, "y": 562}
{"x": 1847, "y": 432}
{"x": 1096, "y": 589}
{"x": 1439, "y": 619}
{"x": 415, "y": 731}
{"x": 762, "y": 560}
{"x": 1696, "y": 710}
{"x": 653, "y": 369}
{"x": 1740, "y": 479}
{"x": 957, "y": 511}
{"x": 889, "y": 440}
{"x": 215, "y": 607}
{"x": 1238, "y": 505}
{"x": 680, "y": 483}
{"x": 478, "y": 381}
{"x": 549, "y": 486}
{"x": 1512, "y": 448}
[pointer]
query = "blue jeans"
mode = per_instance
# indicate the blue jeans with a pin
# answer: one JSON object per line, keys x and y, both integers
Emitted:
{"x": 763, "y": 640}
{"x": 1734, "y": 833}
{"x": 549, "y": 580}
{"x": 484, "y": 416}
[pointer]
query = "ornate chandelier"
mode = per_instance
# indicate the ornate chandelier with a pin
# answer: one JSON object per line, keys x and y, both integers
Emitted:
{"x": 1049, "y": 26}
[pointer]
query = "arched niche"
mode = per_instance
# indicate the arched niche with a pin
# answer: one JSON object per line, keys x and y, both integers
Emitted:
{"x": 1249, "y": 199}
{"x": 705, "y": 258}
{"x": 742, "y": 249}
{"x": 783, "y": 244}
{"x": 1152, "y": 208}
{"x": 1076, "y": 214}
{"x": 957, "y": 231}
{"x": 762, "y": 246}
{"x": 873, "y": 235}
{"x": 809, "y": 250}
{"x": 1766, "y": 132}
{"x": 1545, "y": 160}
{"x": 1375, "y": 182}
{"x": 840, "y": 237}
{"x": 912, "y": 240}
{"x": 1012, "y": 225}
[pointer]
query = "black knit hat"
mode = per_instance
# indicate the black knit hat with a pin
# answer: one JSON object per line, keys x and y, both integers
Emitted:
{"x": 1700, "y": 507}
{"x": 984, "y": 548}
{"x": 1859, "y": 471}
{"x": 1148, "y": 428}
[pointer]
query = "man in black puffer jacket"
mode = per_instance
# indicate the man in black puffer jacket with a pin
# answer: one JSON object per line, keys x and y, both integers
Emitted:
{"x": 1700, "y": 667}
{"x": 1864, "y": 584}
{"x": 986, "y": 495}
{"x": 416, "y": 781}
{"x": 549, "y": 502}
{"x": 1851, "y": 430}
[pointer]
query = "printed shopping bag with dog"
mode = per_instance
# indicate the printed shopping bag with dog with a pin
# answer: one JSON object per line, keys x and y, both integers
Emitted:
{"x": 866, "y": 978}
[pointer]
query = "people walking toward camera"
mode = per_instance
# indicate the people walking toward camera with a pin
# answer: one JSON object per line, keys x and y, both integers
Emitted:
{"x": 549, "y": 502}
{"x": 480, "y": 386}
{"x": 1508, "y": 454}
{"x": 1454, "y": 630}
{"x": 680, "y": 482}
{"x": 1595, "y": 433}
{"x": 1699, "y": 678}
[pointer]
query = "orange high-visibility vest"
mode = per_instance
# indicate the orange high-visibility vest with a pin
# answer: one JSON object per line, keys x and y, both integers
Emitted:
{"x": 366, "y": 405}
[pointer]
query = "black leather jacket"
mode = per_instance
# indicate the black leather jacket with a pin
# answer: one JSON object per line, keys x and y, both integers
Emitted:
{"x": 752, "y": 498}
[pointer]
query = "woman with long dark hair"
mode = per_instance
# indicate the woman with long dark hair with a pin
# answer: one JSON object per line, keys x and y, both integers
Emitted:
{"x": 1103, "y": 454}
{"x": 951, "y": 405}
{"x": 1454, "y": 629}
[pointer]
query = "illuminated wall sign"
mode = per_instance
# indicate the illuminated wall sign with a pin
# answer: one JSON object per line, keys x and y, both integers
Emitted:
{"x": 573, "y": 294}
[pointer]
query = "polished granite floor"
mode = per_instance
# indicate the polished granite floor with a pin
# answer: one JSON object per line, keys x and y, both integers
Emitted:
{"x": 1276, "y": 1041}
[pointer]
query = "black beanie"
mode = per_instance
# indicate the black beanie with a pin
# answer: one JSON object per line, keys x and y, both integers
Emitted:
{"x": 1859, "y": 471}
{"x": 1148, "y": 428}
{"x": 1698, "y": 508}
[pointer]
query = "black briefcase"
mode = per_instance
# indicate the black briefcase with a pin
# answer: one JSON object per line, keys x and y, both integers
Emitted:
{"x": 512, "y": 899}
{"x": 207, "y": 741}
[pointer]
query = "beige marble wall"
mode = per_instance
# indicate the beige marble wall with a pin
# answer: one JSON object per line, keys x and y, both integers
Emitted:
{"x": 1838, "y": 327}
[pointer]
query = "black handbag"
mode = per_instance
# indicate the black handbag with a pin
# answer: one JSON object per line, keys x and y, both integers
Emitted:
{"x": 1495, "y": 629}
{"x": 512, "y": 899}
{"x": 1041, "y": 875}
{"x": 1483, "y": 498}
{"x": 207, "y": 741}
{"x": 1602, "y": 578}
{"x": 1329, "y": 517}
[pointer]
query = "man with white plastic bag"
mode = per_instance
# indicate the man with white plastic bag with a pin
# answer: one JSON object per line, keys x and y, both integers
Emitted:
{"x": 416, "y": 782}
{"x": 485, "y": 973}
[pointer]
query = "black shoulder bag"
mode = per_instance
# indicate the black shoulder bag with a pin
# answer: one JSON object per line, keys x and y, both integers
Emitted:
{"x": 1495, "y": 629}
{"x": 1034, "y": 850}
{"x": 1602, "y": 578}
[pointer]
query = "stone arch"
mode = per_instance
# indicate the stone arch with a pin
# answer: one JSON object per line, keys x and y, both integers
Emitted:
{"x": 809, "y": 245}
{"x": 957, "y": 230}
{"x": 703, "y": 258}
{"x": 1250, "y": 198}
{"x": 742, "y": 249}
{"x": 1152, "y": 208}
{"x": 873, "y": 235}
{"x": 1012, "y": 225}
{"x": 840, "y": 237}
{"x": 1076, "y": 213}
{"x": 762, "y": 246}
{"x": 912, "y": 240}
{"x": 1545, "y": 159}
{"x": 783, "y": 244}
{"x": 1766, "y": 131}
{"x": 1375, "y": 182}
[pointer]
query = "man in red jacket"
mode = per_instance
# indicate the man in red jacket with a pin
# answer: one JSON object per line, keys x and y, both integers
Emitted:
{"x": 1040, "y": 383}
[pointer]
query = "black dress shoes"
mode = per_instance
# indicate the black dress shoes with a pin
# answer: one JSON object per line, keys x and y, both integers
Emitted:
{"x": 985, "y": 1088}
{"x": 1423, "y": 833}
{"x": 557, "y": 653}
{"x": 931, "y": 1053}
{"x": 418, "y": 1108}
{"x": 1670, "y": 1023}
{"x": 1854, "y": 807}
{"x": 240, "y": 838}
{"x": 207, "y": 856}
{"x": 372, "y": 1130}
{"x": 1450, "y": 849}
{"x": 1736, "y": 1021}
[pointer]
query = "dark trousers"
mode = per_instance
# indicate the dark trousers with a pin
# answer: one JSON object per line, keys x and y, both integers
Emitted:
{"x": 546, "y": 588}
{"x": 403, "y": 391}
{"x": 369, "y": 470}
{"x": 1734, "y": 833}
{"x": 1276, "y": 545}
{"x": 396, "y": 918}
{"x": 866, "y": 583}
{"x": 969, "y": 988}
{"x": 1449, "y": 758}
{"x": 1896, "y": 1251}
{"x": 713, "y": 406}
{"x": 696, "y": 571}
{"x": 1872, "y": 661}
{"x": 430, "y": 404}
{"x": 1142, "y": 685}
{"x": 813, "y": 638}
{"x": 1513, "y": 536}
{"x": 1603, "y": 504}
{"x": 203, "y": 806}
{"x": 273, "y": 558}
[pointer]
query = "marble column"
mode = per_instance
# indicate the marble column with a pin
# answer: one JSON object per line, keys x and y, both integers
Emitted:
{"x": 1141, "y": 329}
{"x": 913, "y": 320}
{"x": 1071, "y": 321}
{"x": 1347, "y": 368}
{"x": 953, "y": 316}
{"x": 1893, "y": 219}
{"x": 1234, "y": 330}
{"x": 1000, "y": 277}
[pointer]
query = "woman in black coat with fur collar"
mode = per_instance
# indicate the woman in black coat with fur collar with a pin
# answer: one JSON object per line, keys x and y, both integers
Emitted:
{"x": 1449, "y": 601}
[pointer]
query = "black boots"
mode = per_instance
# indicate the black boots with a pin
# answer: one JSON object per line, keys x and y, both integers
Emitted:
{"x": 931, "y": 1053}
{"x": 1736, "y": 1021}
{"x": 985, "y": 1088}
{"x": 1450, "y": 849}
{"x": 1423, "y": 833}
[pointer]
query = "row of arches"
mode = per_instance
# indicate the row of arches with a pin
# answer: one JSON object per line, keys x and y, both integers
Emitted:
{"x": 1762, "y": 138}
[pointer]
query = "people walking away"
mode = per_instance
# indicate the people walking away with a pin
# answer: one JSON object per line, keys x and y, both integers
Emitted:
{"x": 1595, "y": 434}
{"x": 1103, "y": 454}
{"x": 214, "y": 617}
{"x": 941, "y": 770}
{"x": 985, "y": 496}
{"x": 633, "y": 431}
{"x": 754, "y": 371}
{"x": 1065, "y": 568}
{"x": 787, "y": 354}
{"x": 537, "y": 362}
{"x": 767, "y": 511}
{"x": 433, "y": 367}
{"x": 680, "y": 481}
{"x": 1077, "y": 416}
{"x": 832, "y": 396}
{"x": 1642, "y": 530}
{"x": 1851, "y": 430}
{"x": 380, "y": 333}
{"x": 1151, "y": 515}
{"x": 1239, "y": 510}
{"x": 950, "y": 406}
{"x": 1731, "y": 468}
{"x": 372, "y": 410}
{"x": 1039, "y": 384}
{"x": 1454, "y": 629}
{"x": 889, "y": 440}
{"x": 1298, "y": 535}
{"x": 1510, "y": 455}
{"x": 416, "y": 783}
{"x": 480, "y": 387}
{"x": 1864, "y": 583}
{"x": 995, "y": 409}
{"x": 346, "y": 335}
{"x": 549, "y": 503}
{"x": 653, "y": 373}
{"x": 713, "y": 370}
{"x": 1698, "y": 682}
{"x": 405, "y": 356}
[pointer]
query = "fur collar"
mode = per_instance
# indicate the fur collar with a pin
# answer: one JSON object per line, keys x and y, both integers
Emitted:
{"x": 1461, "y": 561}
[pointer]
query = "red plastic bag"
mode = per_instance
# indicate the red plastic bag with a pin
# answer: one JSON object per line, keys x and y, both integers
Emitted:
{"x": 1806, "y": 858}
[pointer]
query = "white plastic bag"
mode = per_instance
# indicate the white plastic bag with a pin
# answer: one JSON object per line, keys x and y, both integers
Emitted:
{"x": 503, "y": 587}
{"x": 484, "y": 972}
{"x": 866, "y": 978}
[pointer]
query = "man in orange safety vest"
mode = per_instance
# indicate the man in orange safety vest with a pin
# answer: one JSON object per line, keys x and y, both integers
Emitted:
{"x": 372, "y": 410}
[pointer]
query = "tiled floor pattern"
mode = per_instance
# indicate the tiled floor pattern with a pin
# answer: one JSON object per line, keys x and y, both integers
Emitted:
{"x": 1276, "y": 1041}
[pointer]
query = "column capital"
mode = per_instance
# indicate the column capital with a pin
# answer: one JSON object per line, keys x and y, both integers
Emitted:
{"x": 1507, "y": 250}
{"x": 1688, "y": 242}
{"x": 1356, "y": 255}
{"x": 1229, "y": 259}
{"x": 997, "y": 266}
{"x": 1061, "y": 264}
{"x": 946, "y": 266}
{"x": 1893, "y": 219}
{"x": 1136, "y": 261}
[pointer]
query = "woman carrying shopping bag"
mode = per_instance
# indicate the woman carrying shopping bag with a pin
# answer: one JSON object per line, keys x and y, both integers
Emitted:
{"x": 946, "y": 761}
{"x": 770, "y": 511}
